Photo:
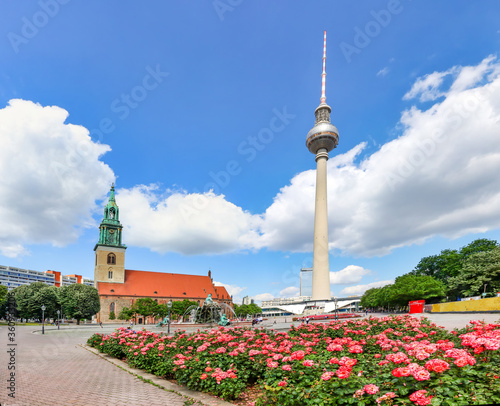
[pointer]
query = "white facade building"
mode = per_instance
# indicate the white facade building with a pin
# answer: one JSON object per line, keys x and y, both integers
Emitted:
{"x": 13, "y": 277}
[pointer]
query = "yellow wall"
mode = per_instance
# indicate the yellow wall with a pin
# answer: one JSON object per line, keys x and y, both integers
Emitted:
{"x": 492, "y": 303}
{"x": 102, "y": 267}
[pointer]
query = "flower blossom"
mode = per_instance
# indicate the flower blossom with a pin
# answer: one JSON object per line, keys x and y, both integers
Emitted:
{"x": 371, "y": 389}
{"x": 437, "y": 365}
{"x": 419, "y": 397}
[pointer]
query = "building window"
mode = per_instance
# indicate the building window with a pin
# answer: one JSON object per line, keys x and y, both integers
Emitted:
{"x": 111, "y": 259}
{"x": 112, "y": 307}
{"x": 110, "y": 274}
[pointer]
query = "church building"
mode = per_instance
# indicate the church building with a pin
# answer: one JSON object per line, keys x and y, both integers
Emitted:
{"x": 119, "y": 287}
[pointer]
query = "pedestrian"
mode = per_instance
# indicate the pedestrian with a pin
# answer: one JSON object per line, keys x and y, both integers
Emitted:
{"x": 307, "y": 320}
{"x": 131, "y": 324}
{"x": 100, "y": 323}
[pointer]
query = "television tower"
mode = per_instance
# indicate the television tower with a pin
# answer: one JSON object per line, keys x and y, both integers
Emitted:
{"x": 321, "y": 139}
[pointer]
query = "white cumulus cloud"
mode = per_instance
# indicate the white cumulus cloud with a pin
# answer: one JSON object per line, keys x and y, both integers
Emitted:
{"x": 290, "y": 291}
{"x": 187, "y": 223}
{"x": 233, "y": 290}
{"x": 427, "y": 88}
{"x": 350, "y": 274}
{"x": 262, "y": 296}
{"x": 50, "y": 177}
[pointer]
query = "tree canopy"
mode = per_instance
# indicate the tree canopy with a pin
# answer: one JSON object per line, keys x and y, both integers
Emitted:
{"x": 125, "y": 314}
{"x": 3, "y": 293}
{"x": 179, "y": 307}
{"x": 480, "y": 273}
{"x": 449, "y": 262}
{"x": 149, "y": 307}
{"x": 463, "y": 272}
{"x": 145, "y": 306}
{"x": 31, "y": 298}
{"x": 247, "y": 310}
{"x": 79, "y": 301}
{"x": 405, "y": 288}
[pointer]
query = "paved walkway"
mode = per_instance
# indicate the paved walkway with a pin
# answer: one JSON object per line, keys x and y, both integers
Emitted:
{"x": 53, "y": 369}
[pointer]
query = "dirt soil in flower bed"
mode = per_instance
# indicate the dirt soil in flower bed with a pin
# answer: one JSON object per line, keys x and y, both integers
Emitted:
{"x": 378, "y": 361}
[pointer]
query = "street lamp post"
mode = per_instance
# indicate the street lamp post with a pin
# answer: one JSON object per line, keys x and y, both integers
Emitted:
{"x": 58, "y": 322}
{"x": 43, "y": 319}
{"x": 336, "y": 312}
{"x": 169, "y": 306}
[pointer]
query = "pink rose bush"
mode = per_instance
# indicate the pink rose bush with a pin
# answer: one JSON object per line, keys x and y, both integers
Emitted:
{"x": 396, "y": 360}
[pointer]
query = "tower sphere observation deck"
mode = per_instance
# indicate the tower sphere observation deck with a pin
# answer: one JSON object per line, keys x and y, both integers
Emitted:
{"x": 324, "y": 135}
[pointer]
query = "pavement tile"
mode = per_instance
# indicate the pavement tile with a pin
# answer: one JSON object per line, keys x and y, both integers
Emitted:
{"x": 53, "y": 370}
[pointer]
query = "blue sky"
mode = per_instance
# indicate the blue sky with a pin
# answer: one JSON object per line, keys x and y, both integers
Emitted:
{"x": 199, "y": 112}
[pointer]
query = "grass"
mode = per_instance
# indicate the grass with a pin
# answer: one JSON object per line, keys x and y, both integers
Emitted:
{"x": 4, "y": 323}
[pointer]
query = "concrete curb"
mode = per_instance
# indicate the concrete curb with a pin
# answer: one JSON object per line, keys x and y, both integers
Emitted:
{"x": 201, "y": 397}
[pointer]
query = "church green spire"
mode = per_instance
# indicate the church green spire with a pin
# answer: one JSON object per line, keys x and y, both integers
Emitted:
{"x": 110, "y": 230}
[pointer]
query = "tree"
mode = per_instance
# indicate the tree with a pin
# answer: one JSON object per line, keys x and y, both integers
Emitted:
{"x": 241, "y": 310}
{"x": 368, "y": 300}
{"x": 246, "y": 310}
{"x": 449, "y": 263}
{"x": 254, "y": 309}
{"x": 22, "y": 295}
{"x": 125, "y": 314}
{"x": 79, "y": 301}
{"x": 442, "y": 266}
{"x": 112, "y": 315}
{"x": 31, "y": 298}
{"x": 479, "y": 245}
{"x": 3, "y": 293}
{"x": 405, "y": 288}
{"x": 5, "y": 298}
{"x": 412, "y": 287}
{"x": 480, "y": 268}
{"x": 179, "y": 307}
{"x": 145, "y": 306}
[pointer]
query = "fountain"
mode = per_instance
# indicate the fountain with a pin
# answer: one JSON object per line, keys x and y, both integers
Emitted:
{"x": 209, "y": 313}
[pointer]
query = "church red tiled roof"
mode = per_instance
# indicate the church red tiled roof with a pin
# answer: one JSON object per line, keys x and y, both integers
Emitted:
{"x": 222, "y": 292}
{"x": 166, "y": 285}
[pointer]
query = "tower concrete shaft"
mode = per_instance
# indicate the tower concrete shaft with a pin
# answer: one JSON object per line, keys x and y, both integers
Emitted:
{"x": 321, "y": 263}
{"x": 321, "y": 139}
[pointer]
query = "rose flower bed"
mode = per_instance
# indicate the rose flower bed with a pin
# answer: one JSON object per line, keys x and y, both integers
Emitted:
{"x": 397, "y": 360}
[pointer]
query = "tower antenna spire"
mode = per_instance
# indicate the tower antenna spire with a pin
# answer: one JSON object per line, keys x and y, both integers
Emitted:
{"x": 323, "y": 75}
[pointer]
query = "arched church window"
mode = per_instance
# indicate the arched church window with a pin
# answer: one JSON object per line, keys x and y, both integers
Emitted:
{"x": 112, "y": 307}
{"x": 110, "y": 274}
{"x": 111, "y": 259}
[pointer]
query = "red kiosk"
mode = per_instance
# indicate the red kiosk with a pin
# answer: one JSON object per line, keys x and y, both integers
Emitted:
{"x": 417, "y": 306}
